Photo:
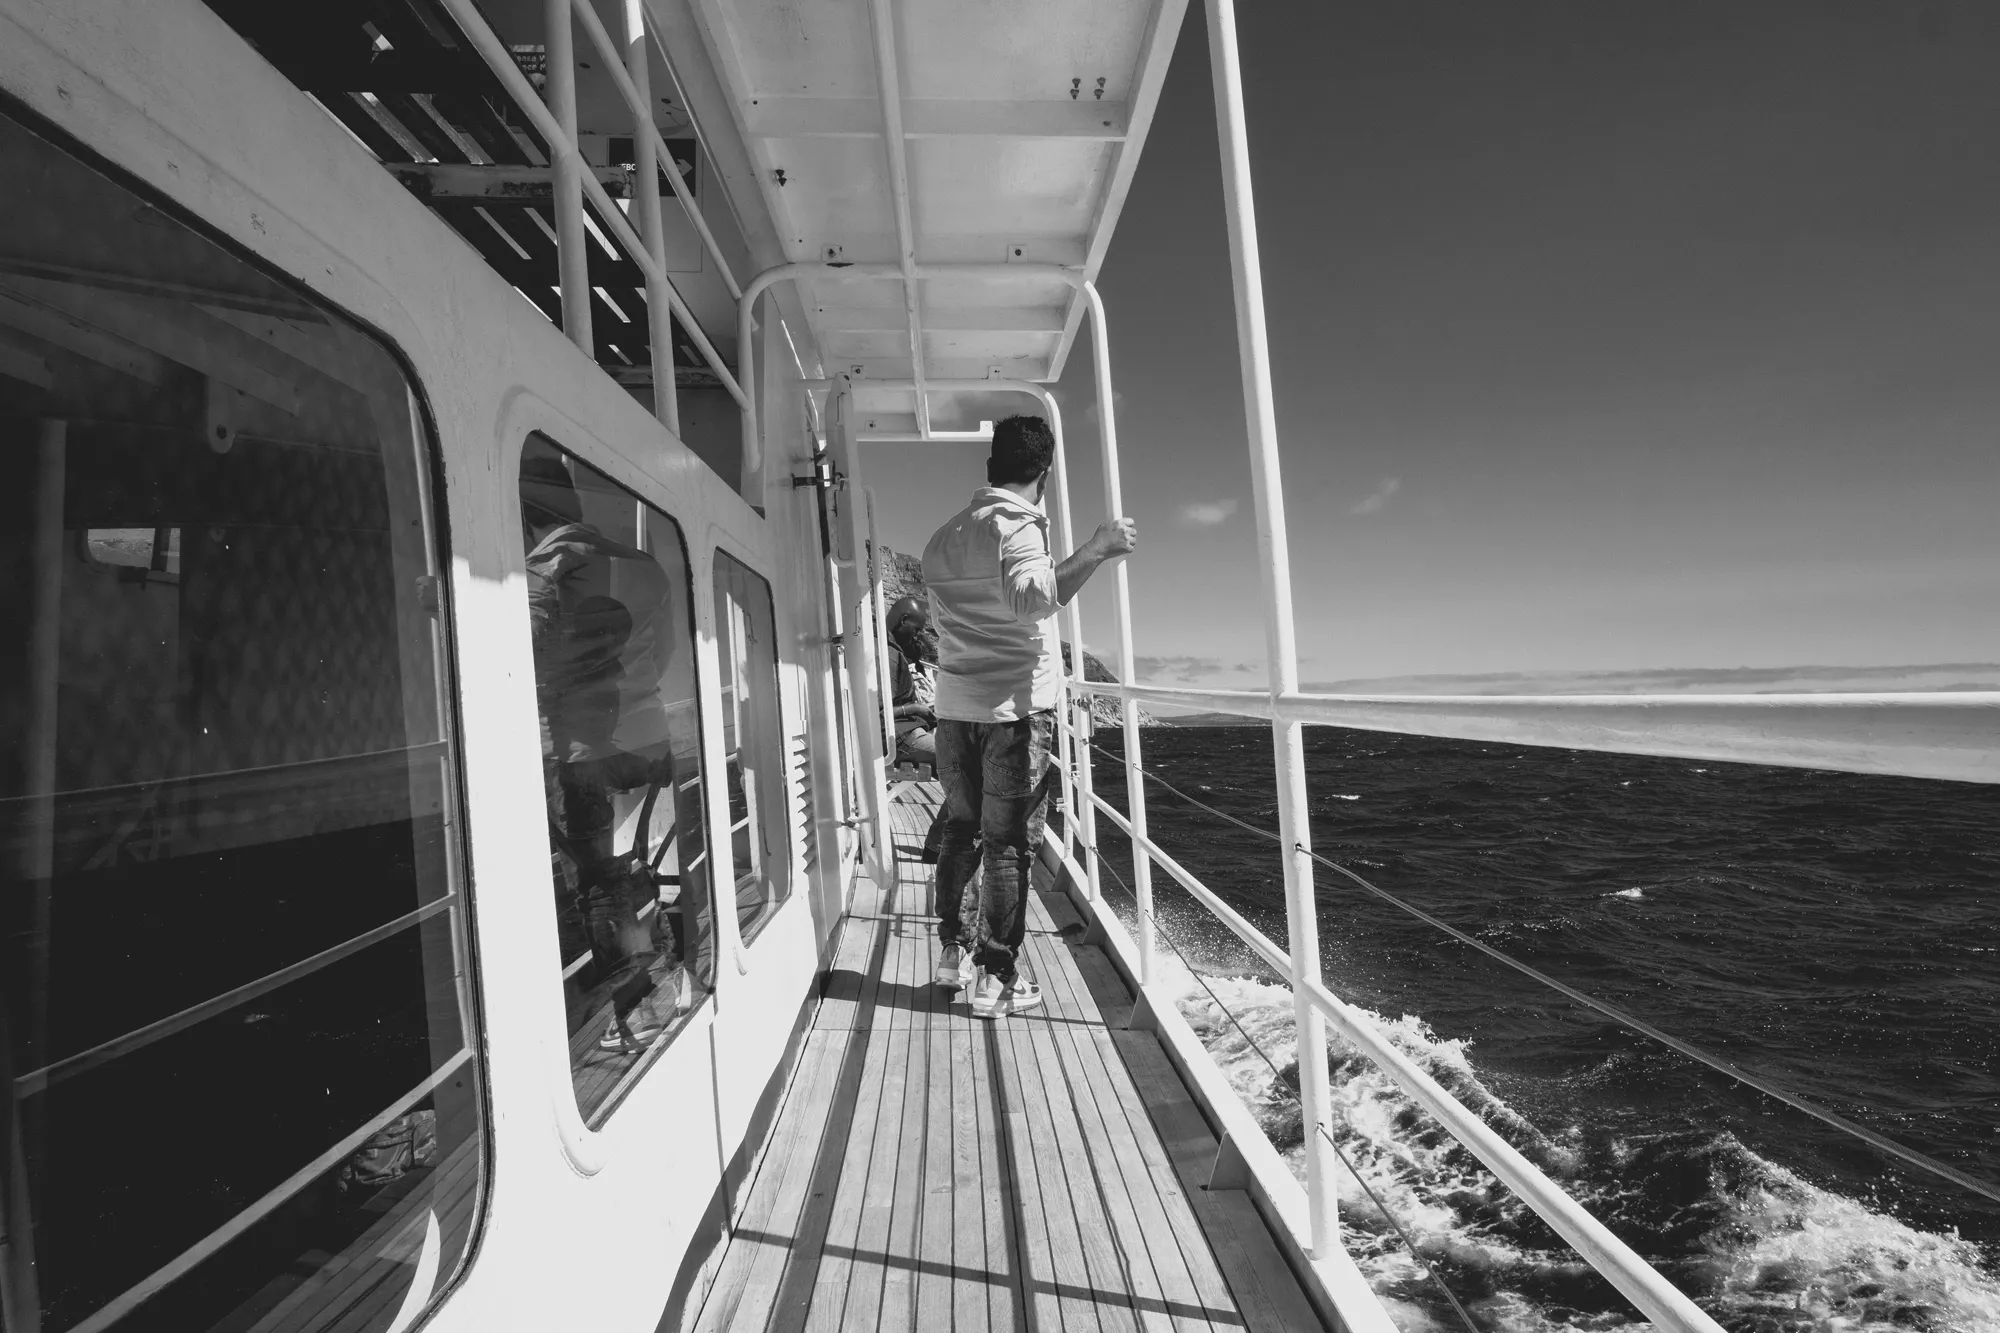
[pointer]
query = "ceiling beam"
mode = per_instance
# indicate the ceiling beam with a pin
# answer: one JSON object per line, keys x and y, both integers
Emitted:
{"x": 503, "y": 183}
{"x": 935, "y": 118}
{"x": 892, "y": 319}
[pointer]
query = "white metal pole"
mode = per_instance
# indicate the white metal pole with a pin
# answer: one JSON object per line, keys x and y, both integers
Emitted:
{"x": 1281, "y": 646}
{"x": 1135, "y": 784}
{"x": 862, "y": 680}
{"x": 885, "y": 687}
{"x": 1065, "y": 542}
{"x": 888, "y": 81}
{"x": 646, "y": 193}
{"x": 572, "y": 258}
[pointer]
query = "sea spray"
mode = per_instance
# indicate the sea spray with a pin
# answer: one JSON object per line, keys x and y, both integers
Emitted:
{"x": 1761, "y": 1248}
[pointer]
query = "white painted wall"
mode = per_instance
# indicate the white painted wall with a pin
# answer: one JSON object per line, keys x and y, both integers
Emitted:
{"x": 169, "y": 96}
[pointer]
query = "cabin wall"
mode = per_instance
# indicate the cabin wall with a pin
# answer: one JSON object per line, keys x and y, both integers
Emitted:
{"x": 583, "y": 1229}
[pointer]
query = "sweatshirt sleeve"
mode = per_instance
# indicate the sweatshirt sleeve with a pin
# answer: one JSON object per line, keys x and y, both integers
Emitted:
{"x": 1027, "y": 573}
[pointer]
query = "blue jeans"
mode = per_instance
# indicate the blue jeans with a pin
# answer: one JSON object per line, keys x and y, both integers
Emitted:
{"x": 996, "y": 789}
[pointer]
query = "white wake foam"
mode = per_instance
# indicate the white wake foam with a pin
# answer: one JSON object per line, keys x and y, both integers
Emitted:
{"x": 1783, "y": 1256}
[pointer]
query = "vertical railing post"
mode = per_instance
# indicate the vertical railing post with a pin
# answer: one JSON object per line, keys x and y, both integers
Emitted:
{"x": 652, "y": 230}
{"x": 885, "y": 684}
{"x": 1065, "y": 543}
{"x": 1135, "y": 783}
{"x": 1281, "y": 646}
{"x": 572, "y": 258}
{"x": 862, "y": 681}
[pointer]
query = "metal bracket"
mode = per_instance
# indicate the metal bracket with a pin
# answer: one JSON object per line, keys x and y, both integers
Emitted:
{"x": 1231, "y": 1171}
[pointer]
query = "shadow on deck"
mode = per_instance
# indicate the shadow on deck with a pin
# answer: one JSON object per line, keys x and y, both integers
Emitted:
{"x": 930, "y": 1171}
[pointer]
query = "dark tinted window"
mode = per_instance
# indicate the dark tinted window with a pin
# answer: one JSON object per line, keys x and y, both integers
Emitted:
{"x": 610, "y": 607}
{"x": 240, "y": 1085}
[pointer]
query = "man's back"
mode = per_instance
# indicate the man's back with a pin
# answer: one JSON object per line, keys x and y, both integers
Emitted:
{"x": 993, "y": 588}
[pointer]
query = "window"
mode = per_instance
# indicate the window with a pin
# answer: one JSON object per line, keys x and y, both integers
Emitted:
{"x": 611, "y": 613}
{"x": 238, "y": 1086}
{"x": 753, "y": 739}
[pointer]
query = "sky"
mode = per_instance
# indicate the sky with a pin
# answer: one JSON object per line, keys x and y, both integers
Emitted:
{"x": 1610, "y": 342}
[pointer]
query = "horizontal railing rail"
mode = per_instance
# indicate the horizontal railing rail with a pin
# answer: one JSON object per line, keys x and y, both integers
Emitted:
{"x": 1952, "y": 735}
{"x": 196, "y": 1254}
{"x": 39, "y": 1080}
{"x": 1627, "y": 1271}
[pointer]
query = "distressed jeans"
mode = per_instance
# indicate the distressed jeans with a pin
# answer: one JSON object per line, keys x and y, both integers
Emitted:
{"x": 996, "y": 791}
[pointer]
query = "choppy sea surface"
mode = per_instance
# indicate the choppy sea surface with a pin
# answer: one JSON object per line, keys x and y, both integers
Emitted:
{"x": 1839, "y": 934}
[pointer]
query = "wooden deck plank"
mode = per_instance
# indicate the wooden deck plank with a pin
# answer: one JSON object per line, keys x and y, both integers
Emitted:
{"x": 1264, "y": 1287}
{"x": 1107, "y": 988}
{"x": 878, "y": 1195}
{"x": 765, "y": 1235}
{"x": 1029, "y": 1219}
{"x": 1187, "y": 1285}
{"x": 899, "y": 1249}
{"x": 792, "y": 1302}
{"x": 929, "y": 1170}
{"x": 1003, "y": 1204}
{"x": 1114, "y": 1281}
{"x": 1040, "y": 1152}
{"x": 840, "y": 1272}
{"x": 844, "y": 990}
{"x": 972, "y": 1269}
{"x": 932, "y": 1251}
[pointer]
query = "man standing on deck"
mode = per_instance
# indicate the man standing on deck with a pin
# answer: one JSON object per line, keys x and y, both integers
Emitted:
{"x": 995, "y": 589}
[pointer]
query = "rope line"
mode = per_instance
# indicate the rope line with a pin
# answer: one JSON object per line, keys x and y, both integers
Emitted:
{"x": 1278, "y": 1084}
{"x": 1401, "y": 1234}
{"x": 1881, "y": 1142}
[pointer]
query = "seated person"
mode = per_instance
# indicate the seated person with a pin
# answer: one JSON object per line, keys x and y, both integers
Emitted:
{"x": 913, "y": 684}
{"x": 913, "y": 673}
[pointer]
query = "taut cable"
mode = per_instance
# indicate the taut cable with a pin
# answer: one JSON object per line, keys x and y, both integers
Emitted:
{"x": 1922, "y": 1161}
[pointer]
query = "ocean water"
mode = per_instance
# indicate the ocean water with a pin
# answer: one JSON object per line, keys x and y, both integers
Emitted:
{"x": 1837, "y": 933}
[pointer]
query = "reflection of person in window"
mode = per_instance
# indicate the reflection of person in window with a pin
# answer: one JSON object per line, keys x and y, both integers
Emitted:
{"x": 581, "y": 634}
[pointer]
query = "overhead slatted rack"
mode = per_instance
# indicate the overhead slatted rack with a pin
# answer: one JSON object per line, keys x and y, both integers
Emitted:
{"x": 400, "y": 75}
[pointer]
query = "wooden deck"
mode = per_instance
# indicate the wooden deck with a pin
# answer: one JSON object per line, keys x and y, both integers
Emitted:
{"x": 929, "y": 1170}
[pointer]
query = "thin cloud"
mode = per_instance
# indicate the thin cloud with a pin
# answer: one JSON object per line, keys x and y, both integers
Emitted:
{"x": 1940, "y": 677}
{"x": 1378, "y": 499}
{"x": 1092, "y": 411}
{"x": 1189, "y": 669}
{"x": 1208, "y": 513}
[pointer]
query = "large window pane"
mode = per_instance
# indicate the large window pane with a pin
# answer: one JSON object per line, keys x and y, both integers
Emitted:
{"x": 239, "y": 1088}
{"x": 610, "y": 606}
{"x": 753, "y": 738}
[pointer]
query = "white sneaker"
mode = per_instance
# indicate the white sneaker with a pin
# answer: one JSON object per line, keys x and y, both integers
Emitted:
{"x": 680, "y": 987}
{"x": 991, "y": 998}
{"x": 954, "y": 967}
{"x": 629, "y": 1036}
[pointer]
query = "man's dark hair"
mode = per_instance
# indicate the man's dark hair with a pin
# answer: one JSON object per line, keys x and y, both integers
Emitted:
{"x": 1023, "y": 449}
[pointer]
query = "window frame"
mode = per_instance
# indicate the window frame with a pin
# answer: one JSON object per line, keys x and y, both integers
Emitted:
{"x": 433, "y": 502}
{"x": 520, "y": 434}
{"x": 777, "y": 823}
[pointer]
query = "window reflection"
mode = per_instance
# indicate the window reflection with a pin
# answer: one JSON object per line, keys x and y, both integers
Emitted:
{"x": 237, "y": 1088}
{"x": 610, "y": 611}
{"x": 753, "y": 739}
